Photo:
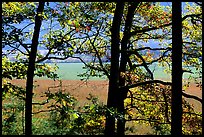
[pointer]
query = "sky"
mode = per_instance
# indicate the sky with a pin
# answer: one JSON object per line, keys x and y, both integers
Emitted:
{"x": 41, "y": 49}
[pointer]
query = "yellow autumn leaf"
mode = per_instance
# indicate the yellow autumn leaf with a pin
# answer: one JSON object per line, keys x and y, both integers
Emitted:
{"x": 75, "y": 116}
{"x": 64, "y": 103}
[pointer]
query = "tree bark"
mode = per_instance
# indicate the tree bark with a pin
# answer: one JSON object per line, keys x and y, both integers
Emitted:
{"x": 31, "y": 69}
{"x": 114, "y": 71}
{"x": 176, "y": 117}
{"x": 123, "y": 63}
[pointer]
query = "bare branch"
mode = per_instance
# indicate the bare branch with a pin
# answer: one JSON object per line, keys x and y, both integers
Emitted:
{"x": 199, "y": 3}
{"x": 192, "y": 96}
{"x": 43, "y": 111}
{"x": 97, "y": 54}
{"x": 155, "y": 60}
{"x": 145, "y": 83}
{"x": 145, "y": 65}
{"x": 148, "y": 119}
{"x": 17, "y": 48}
{"x": 143, "y": 30}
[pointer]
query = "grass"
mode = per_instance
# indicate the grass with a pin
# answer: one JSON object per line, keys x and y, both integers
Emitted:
{"x": 80, "y": 91}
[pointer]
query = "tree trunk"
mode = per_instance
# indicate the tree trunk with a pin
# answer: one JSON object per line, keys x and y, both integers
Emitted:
{"x": 31, "y": 69}
{"x": 176, "y": 122}
{"x": 123, "y": 63}
{"x": 114, "y": 71}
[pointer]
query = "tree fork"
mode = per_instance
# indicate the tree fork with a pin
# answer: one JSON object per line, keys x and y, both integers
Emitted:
{"x": 114, "y": 70}
{"x": 123, "y": 62}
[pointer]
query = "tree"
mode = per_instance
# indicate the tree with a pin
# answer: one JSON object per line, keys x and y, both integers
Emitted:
{"x": 123, "y": 62}
{"x": 91, "y": 34}
{"x": 150, "y": 28}
{"x": 164, "y": 22}
{"x": 114, "y": 70}
{"x": 14, "y": 14}
{"x": 176, "y": 120}
{"x": 31, "y": 69}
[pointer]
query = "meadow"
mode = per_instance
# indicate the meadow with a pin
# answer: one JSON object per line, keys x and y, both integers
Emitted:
{"x": 96, "y": 86}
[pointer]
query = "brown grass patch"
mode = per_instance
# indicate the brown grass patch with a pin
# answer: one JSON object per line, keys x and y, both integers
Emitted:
{"x": 80, "y": 90}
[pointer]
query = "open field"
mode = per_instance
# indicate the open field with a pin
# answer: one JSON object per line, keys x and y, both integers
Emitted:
{"x": 80, "y": 90}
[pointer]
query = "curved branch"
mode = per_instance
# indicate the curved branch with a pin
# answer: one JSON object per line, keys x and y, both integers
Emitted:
{"x": 145, "y": 65}
{"x": 145, "y": 83}
{"x": 159, "y": 27}
{"x": 192, "y": 96}
{"x": 22, "y": 44}
{"x": 155, "y": 60}
{"x": 43, "y": 111}
{"x": 16, "y": 48}
{"x": 97, "y": 53}
{"x": 52, "y": 47}
{"x": 27, "y": 26}
{"x": 148, "y": 119}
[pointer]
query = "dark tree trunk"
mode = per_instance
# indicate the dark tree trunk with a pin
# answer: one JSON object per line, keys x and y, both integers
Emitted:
{"x": 31, "y": 69}
{"x": 123, "y": 63}
{"x": 176, "y": 123}
{"x": 114, "y": 71}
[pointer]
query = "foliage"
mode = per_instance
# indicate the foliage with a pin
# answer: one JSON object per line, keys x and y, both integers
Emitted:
{"x": 70, "y": 120}
{"x": 75, "y": 28}
{"x": 192, "y": 41}
{"x": 151, "y": 105}
{"x": 13, "y": 116}
{"x": 16, "y": 12}
{"x": 18, "y": 70}
{"x": 64, "y": 117}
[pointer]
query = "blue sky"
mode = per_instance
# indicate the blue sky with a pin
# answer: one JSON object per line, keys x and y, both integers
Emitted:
{"x": 153, "y": 43}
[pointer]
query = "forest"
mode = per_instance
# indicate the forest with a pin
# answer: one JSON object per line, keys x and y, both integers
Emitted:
{"x": 122, "y": 41}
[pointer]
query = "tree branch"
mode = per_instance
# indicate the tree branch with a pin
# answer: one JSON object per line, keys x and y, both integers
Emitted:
{"x": 145, "y": 83}
{"x": 155, "y": 60}
{"x": 43, "y": 111}
{"x": 145, "y": 65}
{"x": 159, "y": 27}
{"x": 192, "y": 96}
{"x": 148, "y": 119}
{"x": 97, "y": 54}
